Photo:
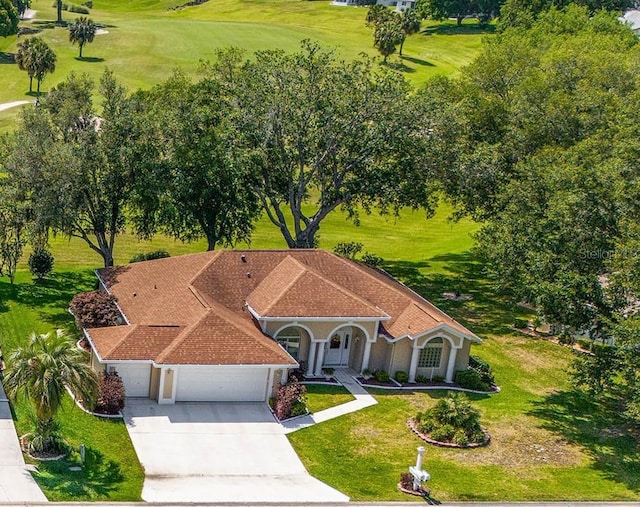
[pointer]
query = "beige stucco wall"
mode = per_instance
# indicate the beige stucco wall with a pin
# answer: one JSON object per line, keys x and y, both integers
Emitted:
{"x": 401, "y": 357}
{"x": 154, "y": 389}
{"x": 357, "y": 349}
{"x": 380, "y": 355}
{"x": 320, "y": 330}
{"x": 444, "y": 361}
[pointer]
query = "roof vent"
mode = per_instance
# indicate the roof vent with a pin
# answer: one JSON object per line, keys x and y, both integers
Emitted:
{"x": 248, "y": 275}
{"x": 135, "y": 294}
{"x": 243, "y": 257}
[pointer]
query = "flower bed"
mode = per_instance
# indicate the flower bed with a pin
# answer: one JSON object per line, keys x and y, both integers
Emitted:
{"x": 471, "y": 445}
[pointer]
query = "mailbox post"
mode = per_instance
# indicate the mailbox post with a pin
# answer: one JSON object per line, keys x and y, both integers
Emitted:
{"x": 419, "y": 475}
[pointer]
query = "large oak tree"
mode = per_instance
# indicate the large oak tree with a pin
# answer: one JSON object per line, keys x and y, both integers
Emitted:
{"x": 320, "y": 133}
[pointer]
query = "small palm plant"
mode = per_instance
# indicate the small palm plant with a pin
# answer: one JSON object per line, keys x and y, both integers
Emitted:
{"x": 452, "y": 419}
{"x": 41, "y": 371}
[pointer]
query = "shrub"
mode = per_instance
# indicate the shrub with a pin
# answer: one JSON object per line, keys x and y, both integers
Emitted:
{"x": 471, "y": 379}
{"x": 422, "y": 379}
{"x": 438, "y": 378}
{"x": 451, "y": 419}
{"x": 348, "y": 249}
{"x": 80, "y": 9}
{"x": 566, "y": 339}
{"x": 381, "y": 376}
{"x": 460, "y": 438}
{"x": 367, "y": 373}
{"x": 290, "y": 395}
{"x": 402, "y": 377}
{"x": 150, "y": 256}
{"x": 520, "y": 323}
{"x": 372, "y": 260}
{"x": 40, "y": 263}
{"x": 443, "y": 433}
{"x": 95, "y": 309}
{"x": 483, "y": 368}
{"x": 110, "y": 394}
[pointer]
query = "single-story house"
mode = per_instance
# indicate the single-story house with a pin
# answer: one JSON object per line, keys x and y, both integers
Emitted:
{"x": 228, "y": 325}
{"x": 398, "y": 5}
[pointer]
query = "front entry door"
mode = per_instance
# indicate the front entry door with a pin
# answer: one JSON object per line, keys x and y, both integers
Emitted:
{"x": 338, "y": 348}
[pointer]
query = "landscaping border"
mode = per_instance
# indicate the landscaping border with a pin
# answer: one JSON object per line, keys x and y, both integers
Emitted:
{"x": 444, "y": 387}
{"x": 97, "y": 414}
{"x": 473, "y": 445}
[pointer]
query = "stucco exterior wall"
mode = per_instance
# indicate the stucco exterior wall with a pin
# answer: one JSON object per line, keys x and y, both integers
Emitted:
{"x": 441, "y": 371}
{"x": 320, "y": 330}
{"x": 380, "y": 355}
{"x": 401, "y": 357}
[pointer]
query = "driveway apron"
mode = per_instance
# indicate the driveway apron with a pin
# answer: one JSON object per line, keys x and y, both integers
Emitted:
{"x": 218, "y": 452}
{"x": 16, "y": 483}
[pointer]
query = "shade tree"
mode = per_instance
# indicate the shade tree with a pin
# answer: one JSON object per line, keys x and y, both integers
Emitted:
{"x": 9, "y": 18}
{"x": 320, "y": 133}
{"x": 82, "y": 31}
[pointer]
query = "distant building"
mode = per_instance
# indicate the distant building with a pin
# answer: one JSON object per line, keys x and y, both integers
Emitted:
{"x": 398, "y": 5}
{"x": 632, "y": 18}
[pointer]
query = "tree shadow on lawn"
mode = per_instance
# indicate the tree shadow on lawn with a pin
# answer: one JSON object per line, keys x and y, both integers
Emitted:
{"x": 90, "y": 59}
{"x": 485, "y": 312}
{"x": 51, "y": 296}
{"x": 453, "y": 29}
{"x": 98, "y": 477}
{"x": 596, "y": 426}
{"x": 417, "y": 61}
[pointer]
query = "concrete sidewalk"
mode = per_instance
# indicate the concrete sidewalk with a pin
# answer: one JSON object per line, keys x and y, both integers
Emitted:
{"x": 362, "y": 400}
{"x": 16, "y": 483}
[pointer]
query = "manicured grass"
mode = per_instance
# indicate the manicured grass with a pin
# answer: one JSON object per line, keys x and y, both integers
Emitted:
{"x": 320, "y": 397}
{"x": 112, "y": 470}
{"x": 146, "y": 41}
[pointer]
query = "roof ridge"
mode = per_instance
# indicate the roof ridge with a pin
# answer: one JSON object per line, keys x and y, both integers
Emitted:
{"x": 195, "y": 277}
{"x": 181, "y": 336}
{"x": 132, "y": 328}
{"x": 294, "y": 279}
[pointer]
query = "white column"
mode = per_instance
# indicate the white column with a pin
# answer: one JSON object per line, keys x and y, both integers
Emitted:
{"x": 312, "y": 358}
{"x": 453, "y": 352}
{"x": 366, "y": 355}
{"x": 320, "y": 359}
{"x": 413, "y": 365}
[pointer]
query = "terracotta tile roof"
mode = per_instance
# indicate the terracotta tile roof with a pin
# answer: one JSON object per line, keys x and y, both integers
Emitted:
{"x": 205, "y": 295}
{"x": 285, "y": 291}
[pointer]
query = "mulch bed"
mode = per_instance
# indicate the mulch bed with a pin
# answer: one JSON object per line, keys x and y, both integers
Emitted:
{"x": 412, "y": 426}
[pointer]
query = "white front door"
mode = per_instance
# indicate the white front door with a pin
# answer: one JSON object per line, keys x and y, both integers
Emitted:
{"x": 337, "y": 352}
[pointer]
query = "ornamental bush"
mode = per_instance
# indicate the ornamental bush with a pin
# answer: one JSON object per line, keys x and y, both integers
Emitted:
{"x": 451, "y": 419}
{"x": 40, "y": 263}
{"x": 471, "y": 379}
{"x": 95, "y": 309}
{"x": 381, "y": 376}
{"x": 483, "y": 368}
{"x": 291, "y": 400}
{"x": 402, "y": 376}
{"x": 150, "y": 256}
{"x": 111, "y": 394}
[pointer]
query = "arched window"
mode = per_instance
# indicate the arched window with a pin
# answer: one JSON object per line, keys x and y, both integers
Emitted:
{"x": 431, "y": 354}
{"x": 289, "y": 340}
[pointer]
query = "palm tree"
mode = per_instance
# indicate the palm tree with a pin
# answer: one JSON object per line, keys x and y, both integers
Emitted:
{"x": 410, "y": 23}
{"x": 36, "y": 58}
{"x": 42, "y": 371}
{"x": 82, "y": 31}
{"x": 59, "y": 12}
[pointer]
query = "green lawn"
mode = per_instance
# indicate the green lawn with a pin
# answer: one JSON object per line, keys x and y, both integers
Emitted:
{"x": 321, "y": 397}
{"x": 146, "y": 41}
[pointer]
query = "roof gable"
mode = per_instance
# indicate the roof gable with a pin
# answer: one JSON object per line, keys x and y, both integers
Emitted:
{"x": 293, "y": 289}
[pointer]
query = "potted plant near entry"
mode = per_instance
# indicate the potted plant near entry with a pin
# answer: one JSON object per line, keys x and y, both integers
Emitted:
{"x": 328, "y": 372}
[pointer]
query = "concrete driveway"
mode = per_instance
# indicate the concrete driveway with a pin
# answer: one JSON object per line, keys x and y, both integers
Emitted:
{"x": 218, "y": 452}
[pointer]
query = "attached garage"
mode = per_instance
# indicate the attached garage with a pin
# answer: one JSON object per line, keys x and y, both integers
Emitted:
{"x": 135, "y": 376}
{"x": 220, "y": 383}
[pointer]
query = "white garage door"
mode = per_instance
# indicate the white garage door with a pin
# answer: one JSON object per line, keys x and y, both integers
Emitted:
{"x": 219, "y": 383}
{"x": 136, "y": 378}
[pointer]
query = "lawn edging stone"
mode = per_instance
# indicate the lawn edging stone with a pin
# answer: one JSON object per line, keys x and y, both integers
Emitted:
{"x": 414, "y": 387}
